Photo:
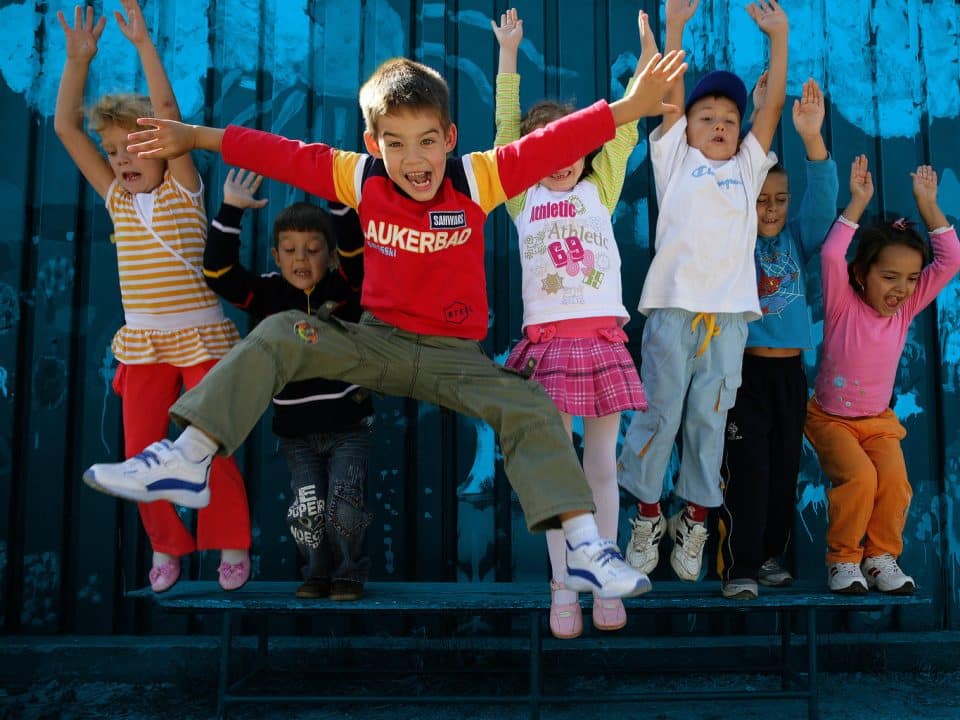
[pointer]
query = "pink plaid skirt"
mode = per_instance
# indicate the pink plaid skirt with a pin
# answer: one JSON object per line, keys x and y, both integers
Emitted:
{"x": 585, "y": 376}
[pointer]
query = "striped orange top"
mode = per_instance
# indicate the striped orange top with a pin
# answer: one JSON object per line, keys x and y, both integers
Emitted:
{"x": 171, "y": 316}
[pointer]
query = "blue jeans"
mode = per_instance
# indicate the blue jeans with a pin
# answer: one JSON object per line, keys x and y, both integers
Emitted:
{"x": 328, "y": 517}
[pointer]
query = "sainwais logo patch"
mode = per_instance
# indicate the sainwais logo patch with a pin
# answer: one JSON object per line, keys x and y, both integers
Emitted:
{"x": 447, "y": 219}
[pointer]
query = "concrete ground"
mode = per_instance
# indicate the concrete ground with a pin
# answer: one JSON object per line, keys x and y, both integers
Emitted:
{"x": 870, "y": 696}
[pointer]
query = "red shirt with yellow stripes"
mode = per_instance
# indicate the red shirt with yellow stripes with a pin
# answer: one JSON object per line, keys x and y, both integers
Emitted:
{"x": 424, "y": 261}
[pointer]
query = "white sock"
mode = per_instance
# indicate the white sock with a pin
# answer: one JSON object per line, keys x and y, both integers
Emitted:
{"x": 580, "y": 529}
{"x": 195, "y": 444}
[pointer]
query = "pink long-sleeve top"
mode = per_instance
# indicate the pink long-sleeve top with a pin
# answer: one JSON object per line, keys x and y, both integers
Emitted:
{"x": 861, "y": 347}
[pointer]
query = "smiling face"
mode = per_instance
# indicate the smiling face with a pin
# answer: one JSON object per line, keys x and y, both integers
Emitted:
{"x": 302, "y": 256}
{"x": 713, "y": 127}
{"x": 135, "y": 174}
{"x": 413, "y": 145}
{"x": 891, "y": 279}
{"x": 773, "y": 202}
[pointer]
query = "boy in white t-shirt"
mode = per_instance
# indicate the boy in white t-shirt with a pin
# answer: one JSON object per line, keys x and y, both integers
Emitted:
{"x": 700, "y": 291}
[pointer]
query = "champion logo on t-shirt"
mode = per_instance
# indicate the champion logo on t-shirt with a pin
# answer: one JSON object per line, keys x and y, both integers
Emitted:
{"x": 707, "y": 170}
{"x": 446, "y": 219}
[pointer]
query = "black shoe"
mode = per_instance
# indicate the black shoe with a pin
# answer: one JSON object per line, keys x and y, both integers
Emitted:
{"x": 314, "y": 588}
{"x": 343, "y": 590}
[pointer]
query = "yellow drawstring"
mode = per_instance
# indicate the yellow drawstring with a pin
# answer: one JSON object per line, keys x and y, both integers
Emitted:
{"x": 710, "y": 325}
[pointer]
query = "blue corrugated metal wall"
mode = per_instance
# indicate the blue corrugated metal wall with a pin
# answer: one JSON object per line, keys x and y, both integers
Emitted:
{"x": 890, "y": 68}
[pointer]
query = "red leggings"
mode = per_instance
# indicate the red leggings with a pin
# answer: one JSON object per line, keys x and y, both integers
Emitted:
{"x": 148, "y": 391}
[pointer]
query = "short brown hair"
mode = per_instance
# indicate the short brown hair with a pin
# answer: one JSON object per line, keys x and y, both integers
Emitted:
{"x": 121, "y": 109}
{"x": 400, "y": 84}
{"x": 303, "y": 217}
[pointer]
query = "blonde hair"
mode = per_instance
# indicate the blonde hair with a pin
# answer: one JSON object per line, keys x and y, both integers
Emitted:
{"x": 121, "y": 109}
{"x": 402, "y": 84}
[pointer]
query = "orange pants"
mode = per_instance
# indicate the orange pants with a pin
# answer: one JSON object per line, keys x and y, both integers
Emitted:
{"x": 147, "y": 392}
{"x": 870, "y": 494}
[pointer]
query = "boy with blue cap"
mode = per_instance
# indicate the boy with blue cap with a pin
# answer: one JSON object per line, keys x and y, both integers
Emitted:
{"x": 700, "y": 291}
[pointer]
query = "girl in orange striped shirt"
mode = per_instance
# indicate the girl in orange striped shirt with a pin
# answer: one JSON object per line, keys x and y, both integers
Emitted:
{"x": 174, "y": 328}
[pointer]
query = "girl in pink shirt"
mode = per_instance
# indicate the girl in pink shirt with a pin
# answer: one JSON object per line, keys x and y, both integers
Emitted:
{"x": 869, "y": 304}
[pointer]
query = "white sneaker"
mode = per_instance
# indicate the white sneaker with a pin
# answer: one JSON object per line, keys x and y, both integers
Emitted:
{"x": 772, "y": 574}
{"x": 597, "y": 566}
{"x": 688, "y": 537}
{"x": 883, "y": 573}
{"x": 845, "y": 578}
{"x": 160, "y": 472}
{"x": 643, "y": 550}
{"x": 739, "y": 589}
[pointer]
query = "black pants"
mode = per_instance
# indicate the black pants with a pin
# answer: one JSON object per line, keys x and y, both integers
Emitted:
{"x": 761, "y": 460}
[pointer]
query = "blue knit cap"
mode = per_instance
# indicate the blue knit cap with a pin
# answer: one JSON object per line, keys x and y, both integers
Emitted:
{"x": 723, "y": 84}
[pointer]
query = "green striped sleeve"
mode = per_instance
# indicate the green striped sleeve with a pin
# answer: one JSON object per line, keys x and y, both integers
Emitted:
{"x": 507, "y": 113}
{"x": 610, "y": 164}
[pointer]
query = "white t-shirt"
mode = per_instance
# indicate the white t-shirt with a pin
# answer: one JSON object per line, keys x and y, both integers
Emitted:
{"x": 707, "y": 228}
{"x": 570, "y": 260}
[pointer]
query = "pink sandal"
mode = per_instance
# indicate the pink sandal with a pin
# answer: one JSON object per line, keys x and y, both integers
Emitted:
{"x": 163, "y": 576}
{"x": 234, "y": 576}
{"x": 566, "y": 619}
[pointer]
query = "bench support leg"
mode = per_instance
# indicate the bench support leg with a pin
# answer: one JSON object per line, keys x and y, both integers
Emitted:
{"x": 263, "y": 639}
{"x": 813, "y": 711}
{"x": 226, "y": 640}
{"x": 536, "y": 677}
{"x": 785, "y": 617}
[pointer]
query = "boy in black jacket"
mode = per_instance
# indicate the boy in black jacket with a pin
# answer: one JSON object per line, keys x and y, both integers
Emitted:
{"x": 324, "y": 426}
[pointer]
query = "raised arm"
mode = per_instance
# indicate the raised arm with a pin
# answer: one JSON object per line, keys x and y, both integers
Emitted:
{"x": 819, "y": 204}
{"x": 833, "y": 255}
{"x": 134, "y": 28}
{"x": 610, "y": 164}
{"x": 943, "y": 239}
{"x": 81, "y": 42}
{"x": 772, "y": 21}
{"x": 509, "y": 33}
{"x": 677, "y": 15}
{"x": 222, "y": 269}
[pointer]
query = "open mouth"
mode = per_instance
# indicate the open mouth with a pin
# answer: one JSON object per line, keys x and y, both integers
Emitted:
{"x": 419, "y": 180}
{"x": 718, "y": 139}
{"x": 891, "y": 302}
{"x": 562, "y": 175}
{"x": 131, "y": 177}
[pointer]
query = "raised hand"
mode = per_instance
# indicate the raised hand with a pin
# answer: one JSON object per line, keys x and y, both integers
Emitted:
{"x": 925, "y": 185}
{"x": 925, "y": 193}
{"x": 769, "y": 17}
{"x": 646, "y": 96}
{"x": 861, "y": 181}
{"x": 166, "y": 139}
{"x": 760, "y": 91}
{"x": 648, "y": 41}
{"x": 509, "y": 32}
{"x": 808, "y": 110}
{"x": 240, "y": 187}
{"x": 134, "y": 28}
{"x": 861, "y": 189}
{"x": 679, "y": 12}
{"x": 83, "y": 37}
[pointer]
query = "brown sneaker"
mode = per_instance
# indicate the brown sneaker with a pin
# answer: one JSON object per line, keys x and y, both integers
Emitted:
{"x": 314, "y": 588}
{"x": 343, "y": 590}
